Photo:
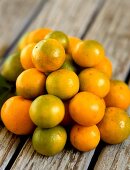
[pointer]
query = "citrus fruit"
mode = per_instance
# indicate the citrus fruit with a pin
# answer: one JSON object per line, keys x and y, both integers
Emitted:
{"x": 12, "y": 67}
{"x": 30, "y": 83}
{"x": 86, "y": 108}
{"x": 115, "y": 126}
{"x": 15, "y": 115}
{"x": 69, "y": 64}
{"x": 67, "y": 120}
{"x": 26, "y": 56}
{"x": 88, "y": 53}
{"x": 37, "y": 35}
{"x": 23, "y": 41}
{"x": 47, "y": 111}
{"x": 94, "y": 81}
{"x": 84, "y": 138}
{"x": 62, "y": 83}
{"x": 119, "y": 95}
{"x": 48, "y": 55}
{"x": 105, "y": 66}
{"x": 61, "y": 37}
{"x": 49, "y": 142}
{"x": 73, "y": 41}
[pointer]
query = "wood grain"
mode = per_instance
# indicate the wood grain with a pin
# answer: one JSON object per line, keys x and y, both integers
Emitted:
{"x": 67, "y": 159}
{"x": 115, "y": 157}
{"x": 70, "y": 16}
{"x": 55, "y": 18}
{"x": 115, "y": 46}
{"x": 8, "y": 145}
{"x": 61, "y": 20}
{"x": 109, "y": 28}
{"x": 14, "y": 15}
{"x": 112, "y": 30}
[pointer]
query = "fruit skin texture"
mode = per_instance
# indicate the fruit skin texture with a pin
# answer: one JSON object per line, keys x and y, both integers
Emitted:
{"x": 15, "y": 115}
{"x": 12, "y": 67}
{"x": 30, "y": 83}
{"x": 62, "y": 83}
{"x": 49, "y": 142}
{"x": 37, "y": 35}
{"x": 86, "y": 108}
{"x": 115, "y": 126}
{"x": 48, "y": 55}
{"x": 84, "y": 138}
{"x": 88, "y": 53}
{"x": 61, "y": 37}
{"x": 94, "y": 81}
{"x": 26, "y": 56}
{"x": 105, "y": 66}
{"x": 119, "y": 95}
{"x": 73, "y": 41}
{"x": 47, "y": 111}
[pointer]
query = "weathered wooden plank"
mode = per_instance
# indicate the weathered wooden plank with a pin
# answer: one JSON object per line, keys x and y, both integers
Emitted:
{"x": 14, "y": 15}
{"x": 70, "y": 16}
{"x": 115, "y": 157}
{"x": 8, "y": 145}
{"x": 61, "y": 20}
{"x": 112, "y": 30}
{"x": 67, "y": 159}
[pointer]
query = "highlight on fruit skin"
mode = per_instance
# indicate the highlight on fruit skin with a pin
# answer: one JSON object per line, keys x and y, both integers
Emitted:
{"x": 86, "y": 108}
{"x": 49, "y": 142}
{"x": 30, "y": 83}
{"x": 115, "y": 126}
{"x": 63, "y": 80}
{"x": 88, "y": 53}
{"x": 15, "y": 115}
{"x": 61, "y": 37}
{"x": 47, "y": 111}
{"x": 62, "y": 83}
{"x": 48, "y": 55}
{"x": 84, "y": 138}
{"x": 119, "y": 95}
{"x": 94, "y": 81}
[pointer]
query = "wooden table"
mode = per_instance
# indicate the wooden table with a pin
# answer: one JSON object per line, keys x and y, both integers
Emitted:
{"x": 107, "y": 21}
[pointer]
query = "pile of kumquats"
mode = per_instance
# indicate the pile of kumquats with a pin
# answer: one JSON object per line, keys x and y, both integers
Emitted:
{"x": 62, "y": 83}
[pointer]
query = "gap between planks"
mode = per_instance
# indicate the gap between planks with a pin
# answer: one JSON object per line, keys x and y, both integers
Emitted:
{"x": 99, "y": 30}
{"x": 117, "y": 156}
{"x": 9, "y": 30}
{"x": 87, "y": 21}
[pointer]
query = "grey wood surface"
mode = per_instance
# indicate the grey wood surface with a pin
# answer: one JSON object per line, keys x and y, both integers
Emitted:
{"x": 14, "y": 15}
{"x": 111, "y": 28}
{"x": 115, "y": 157}
{"x": 52, "y": 16}
{"x": 105, "y": 21}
